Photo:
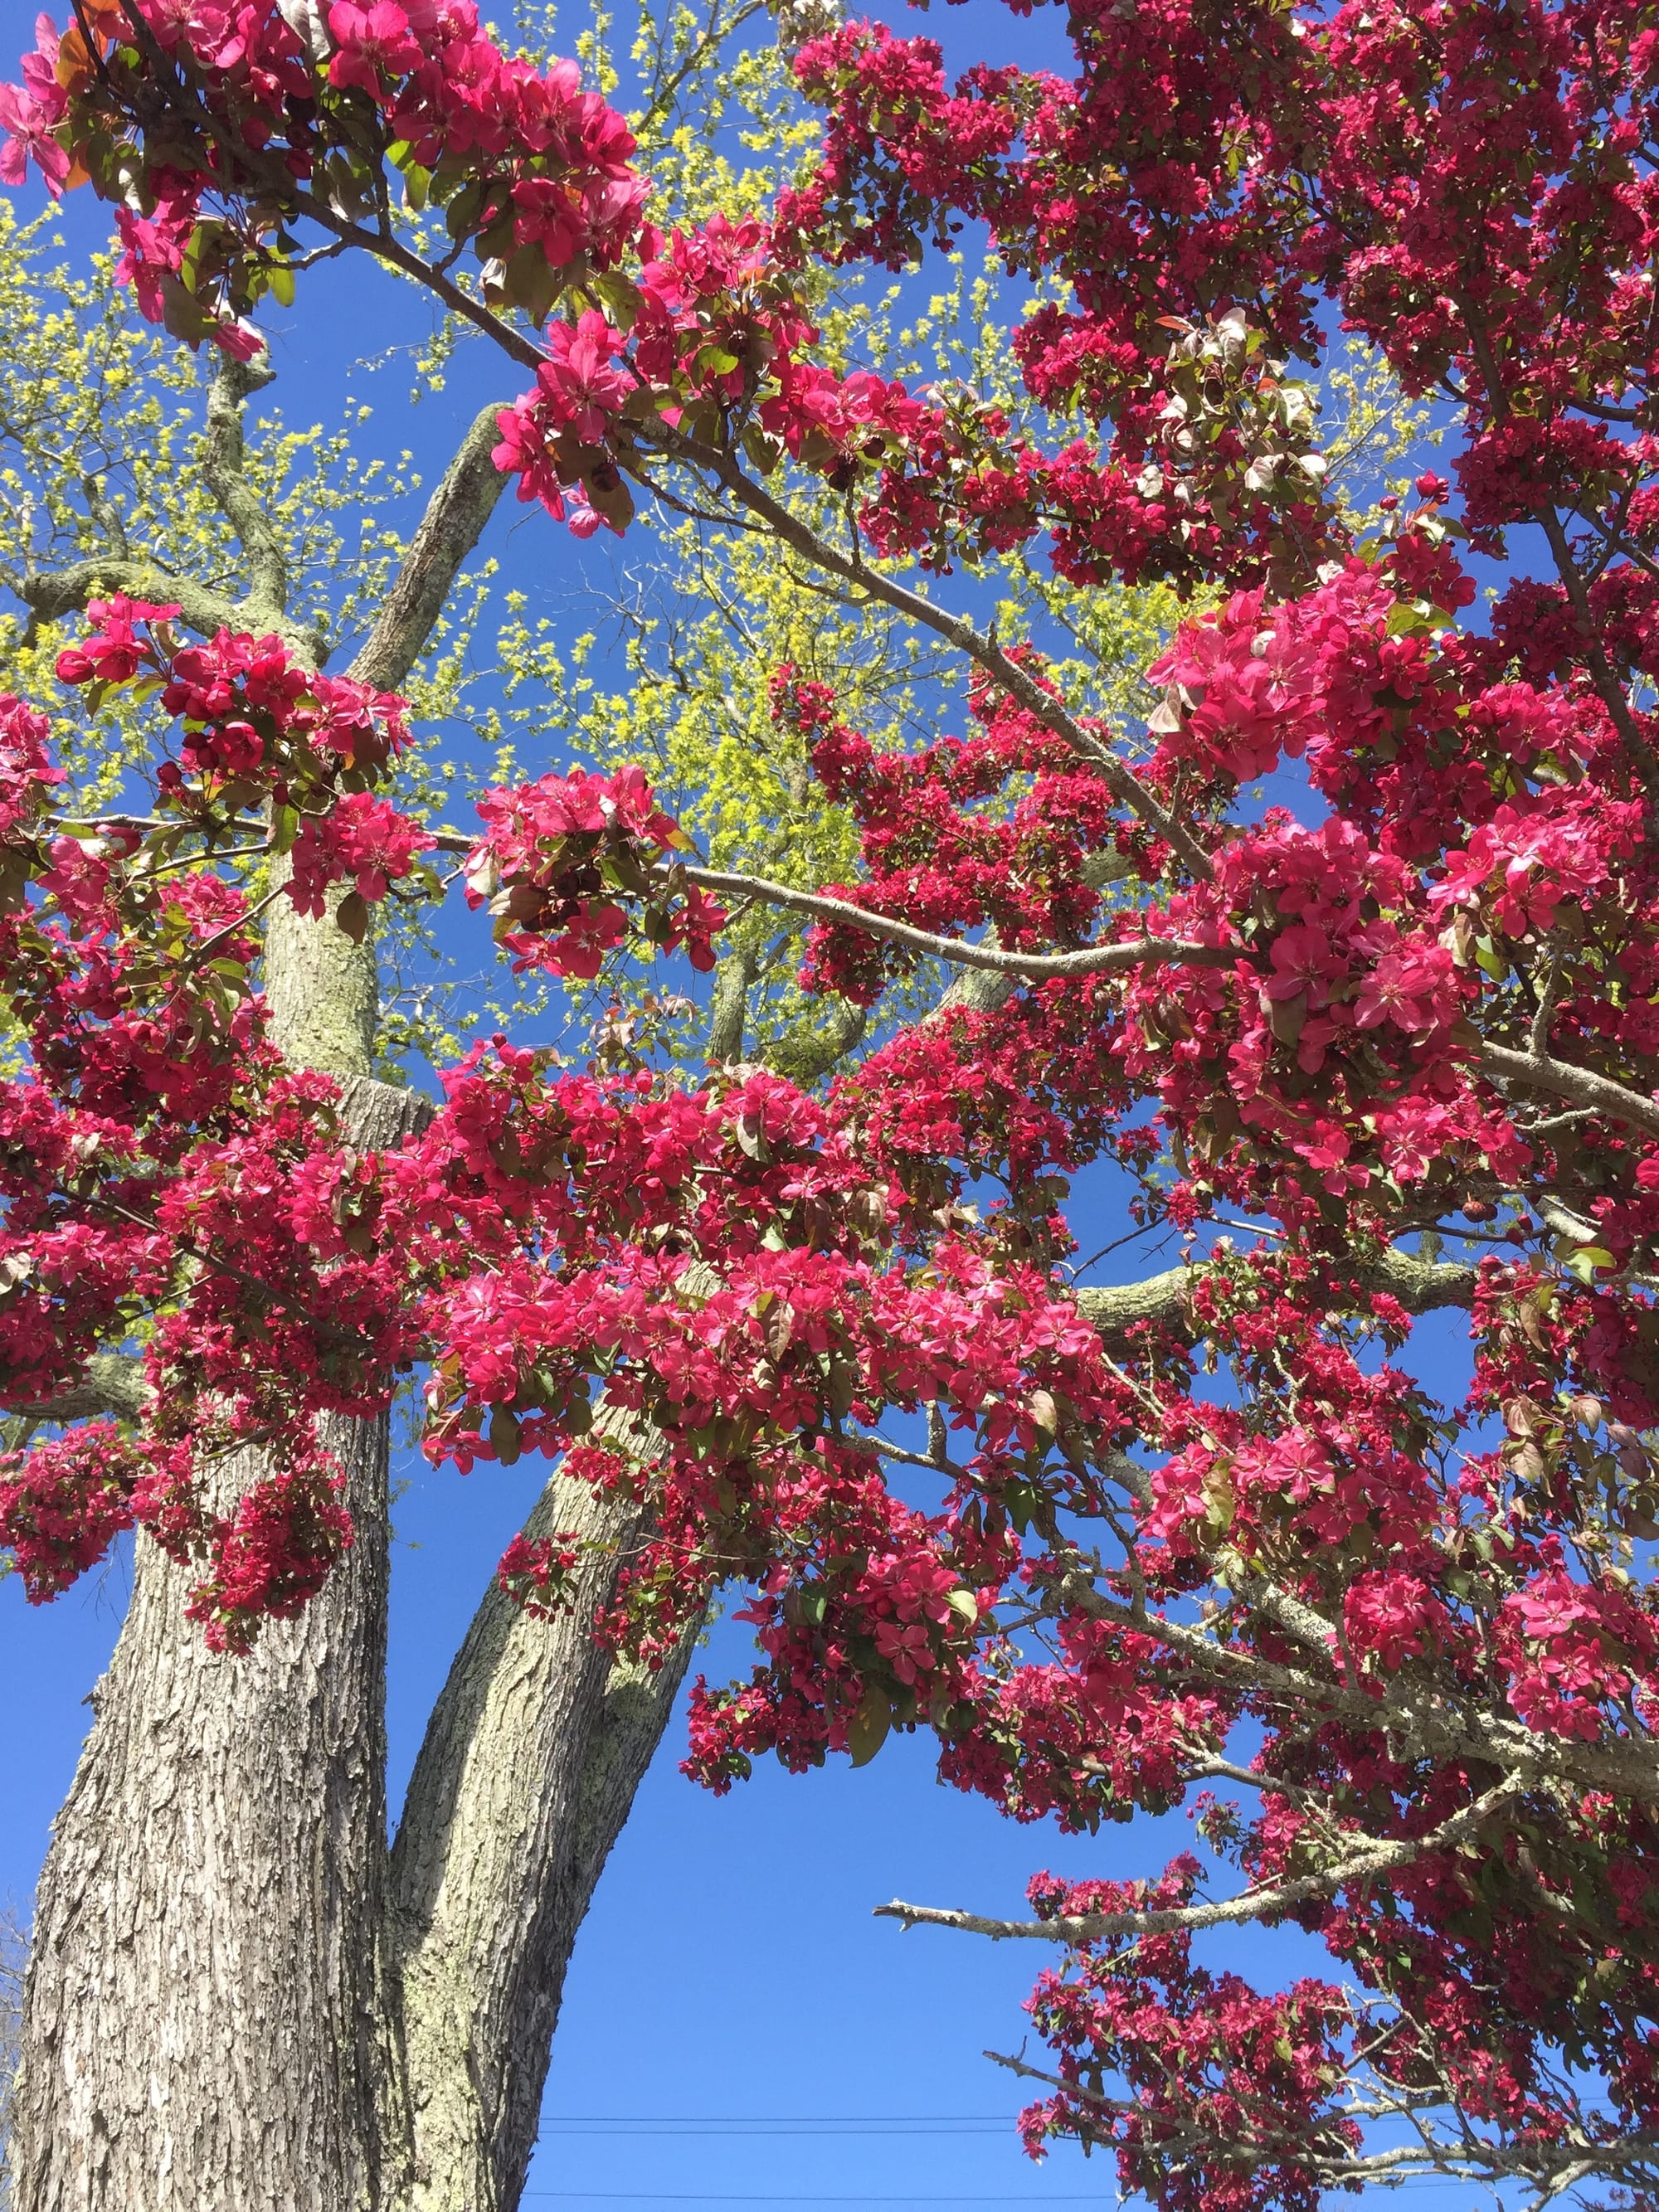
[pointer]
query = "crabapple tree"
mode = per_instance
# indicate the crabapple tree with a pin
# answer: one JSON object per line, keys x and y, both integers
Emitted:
{"x": 1342, "y": 936}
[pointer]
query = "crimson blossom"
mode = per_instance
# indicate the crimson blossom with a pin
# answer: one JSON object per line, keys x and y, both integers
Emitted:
{"x": 1202, "y": 1530}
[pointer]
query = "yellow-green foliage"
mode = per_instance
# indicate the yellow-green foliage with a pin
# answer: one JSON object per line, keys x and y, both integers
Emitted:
{"x": 100, "y": 432}
{"x": 664, "y": 654}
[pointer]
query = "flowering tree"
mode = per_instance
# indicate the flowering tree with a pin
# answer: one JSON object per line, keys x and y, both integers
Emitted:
{"x": 1203, "y": 1528}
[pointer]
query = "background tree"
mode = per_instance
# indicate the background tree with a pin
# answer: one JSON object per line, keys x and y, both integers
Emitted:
{"x": 1415, "y": 1005}
{"x": 13, "y": 1951}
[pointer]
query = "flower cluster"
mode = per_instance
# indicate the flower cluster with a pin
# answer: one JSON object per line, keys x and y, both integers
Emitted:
{"x": 561, "y": 856}
{"x": 535, "y": 1571}
{"x": 362, "y": 840}
{"x": 535, "y": 172}
{"x": 1230, "y": 2094}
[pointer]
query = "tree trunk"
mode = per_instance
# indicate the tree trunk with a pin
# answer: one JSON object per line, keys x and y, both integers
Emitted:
{"x": 205, "y": 2018}
{"x": 215, "y": 2015}
{"x": 205, "y": 2022}
{"x": 530, "y": 1764}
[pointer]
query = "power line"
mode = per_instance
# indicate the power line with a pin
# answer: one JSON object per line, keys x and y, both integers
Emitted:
{"x": 772, "y": 2197}
{"x": 787, "y": 2131}
{"x": 778, "y": 2120}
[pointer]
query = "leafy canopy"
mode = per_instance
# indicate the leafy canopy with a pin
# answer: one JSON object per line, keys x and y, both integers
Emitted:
{"x": 1340, "y": 933}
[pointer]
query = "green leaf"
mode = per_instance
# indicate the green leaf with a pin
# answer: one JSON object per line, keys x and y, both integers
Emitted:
{"x": 1586, "y": 1260}
{"x": 531, "y": 284}
{"x": 1021, "y": 1500}
{"x": 1490, "y": 960}
{"x": 868, "y": 1728}
{"x": 352, "y": 915}
{"x": 621, "y": 296}
{"x": 463, "y": 210}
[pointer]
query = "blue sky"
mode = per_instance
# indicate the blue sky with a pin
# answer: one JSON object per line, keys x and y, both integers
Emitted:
{"x": 730, "y": 1968}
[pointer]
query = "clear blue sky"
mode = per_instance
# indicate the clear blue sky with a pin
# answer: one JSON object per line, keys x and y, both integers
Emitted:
{"x": 731, "y": 1967}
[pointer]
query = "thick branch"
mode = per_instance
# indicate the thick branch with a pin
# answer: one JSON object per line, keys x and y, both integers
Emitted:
{"x": 1579, "y": 1086}
{"x": 1091, "y": 960}
{"x": 59, "y": 591}
{"x": 1373, "y": 1857}
{"x": 454, "y": 522}
{"x": 1420, "y": 1285}
{"x": 731, "y": 981}
{"x": 530, "y": 1760}
{"x": 114, "y": 1384}
{"x": 224, "y": 466}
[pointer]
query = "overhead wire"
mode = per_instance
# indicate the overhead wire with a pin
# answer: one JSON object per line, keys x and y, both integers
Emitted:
{"x": 874, "y": 2123}
{"x": 771, "y": 2196}
{"x": 742, "y": 2126}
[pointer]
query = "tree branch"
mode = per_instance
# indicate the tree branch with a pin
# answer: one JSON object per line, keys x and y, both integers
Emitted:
{"x": 530, "y": 1763}
{"x": 71, "y": 589}
{"x": 1373, "y": 1857}
{"x": 271, "y": 172}
{"x": 1469, "y": 2159}
{"x": 1627, "y": 1766}
{"x": 731, "y": 998}
{"x": 1420, "y": 1285}
{"x": 224, "y": 466}
{"x": 984, "y": 651}
{"x": 460, "y": 506}
{"x": 59, "y": 591}
{"x": 1579, "y": 1086}
{"x": 1642, "y": 754}
{"x": 114, "y": 1384}
{"x": 1090, "y": 960}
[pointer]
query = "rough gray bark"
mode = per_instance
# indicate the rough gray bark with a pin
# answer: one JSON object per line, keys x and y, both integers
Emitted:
{"x": 114, "y": 1384}
{"x": 207, "y": 2019}
{"x": 1420, "y": 1285}
{"x": 450, "y": 528}
{"x": 215, "y": 2016}
{"x": 530, "y": 1764}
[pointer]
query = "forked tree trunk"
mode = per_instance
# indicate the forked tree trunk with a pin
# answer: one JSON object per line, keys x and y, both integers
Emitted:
{"x": 233, "y": 2003}
{"x": 229, "y": 2010}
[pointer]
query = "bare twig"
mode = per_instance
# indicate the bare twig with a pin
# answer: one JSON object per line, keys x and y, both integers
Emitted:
{"x": 1089, "y": 960}
{"x": 1579, "y": 1086}
{"x": 1373, "y": 1857}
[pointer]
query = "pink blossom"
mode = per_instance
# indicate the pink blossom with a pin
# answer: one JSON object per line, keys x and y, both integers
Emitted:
{"x": 31, "y": 113}
{"x": 582, "y": 390}
{"x": 374, "y": 42}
